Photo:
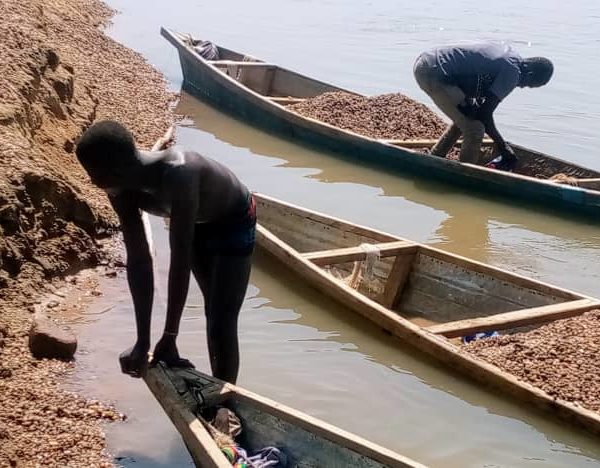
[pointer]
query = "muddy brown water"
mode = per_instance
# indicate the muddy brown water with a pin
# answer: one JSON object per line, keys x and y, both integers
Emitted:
{"x": 297, "y": 346}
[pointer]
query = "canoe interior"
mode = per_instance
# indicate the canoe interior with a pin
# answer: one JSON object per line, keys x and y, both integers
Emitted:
{"x": 305, "y": 441}
{"x": 541, "y": 166}
{"x": 304, "y": 449}
{"x": 269, "y": 80}
{"x": 272, "y": 81}
{"x": 431, "y": 287}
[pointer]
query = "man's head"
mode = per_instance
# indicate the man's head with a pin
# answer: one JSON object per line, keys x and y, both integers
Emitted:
{"x": 535, "y": 72}
{"x": 107, "y": 152}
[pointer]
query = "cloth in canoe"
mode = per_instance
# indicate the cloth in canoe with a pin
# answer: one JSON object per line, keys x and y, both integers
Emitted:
{"x": 207, "y": 50}
{"x": 227, "y": 422}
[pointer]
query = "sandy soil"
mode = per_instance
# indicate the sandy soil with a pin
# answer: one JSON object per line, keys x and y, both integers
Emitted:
{"x": 389, "y": 116}
{"x": 59, "y": 73}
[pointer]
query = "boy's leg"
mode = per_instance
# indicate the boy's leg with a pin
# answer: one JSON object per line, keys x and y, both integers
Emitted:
{"x": 228, "y": 284}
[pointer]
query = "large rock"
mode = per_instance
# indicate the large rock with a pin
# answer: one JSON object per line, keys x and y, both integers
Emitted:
{"x": 48, "y": 340}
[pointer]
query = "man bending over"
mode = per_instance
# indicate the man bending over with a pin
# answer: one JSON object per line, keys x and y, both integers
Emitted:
{"x": 467, "y": 82}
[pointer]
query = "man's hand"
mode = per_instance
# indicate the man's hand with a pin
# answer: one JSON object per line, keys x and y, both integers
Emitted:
{"x": 508, "y": 154}
{"x": 507, "y": 161}
{"x": 134, "y": 360}
{"x": 166, "y": 351}
{"x": 481, "y": 110}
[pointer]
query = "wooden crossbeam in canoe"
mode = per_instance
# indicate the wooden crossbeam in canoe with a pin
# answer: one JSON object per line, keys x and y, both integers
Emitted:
{"x": 397, "y": 280}
{"x": 239, "y": 63}
{"x": 518, "y": 318}
{"x": 353, "y": 254}
{"x": 425, "y": 143}
{"x": 285, "y": 100}
{"x": 593, "y": 184}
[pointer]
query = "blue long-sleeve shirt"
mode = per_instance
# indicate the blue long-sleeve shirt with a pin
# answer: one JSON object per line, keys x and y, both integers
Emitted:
{"x": 478, "y": 68}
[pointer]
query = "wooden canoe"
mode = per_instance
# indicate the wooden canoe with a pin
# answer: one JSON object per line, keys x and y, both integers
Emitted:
{"x": 258, "y": 92}
{"x": 306, "y": 441}
{"x": 422, "y": 295}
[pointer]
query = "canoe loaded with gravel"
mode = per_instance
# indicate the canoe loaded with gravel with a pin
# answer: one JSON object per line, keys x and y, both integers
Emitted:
{"x": 392, "y": 131}
{"x": 536, "y": 342}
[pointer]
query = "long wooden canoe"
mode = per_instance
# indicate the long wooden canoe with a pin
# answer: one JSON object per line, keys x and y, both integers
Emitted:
{"x": 422, "y": 295}
{"x": 185, "y": 394}
{"x": 258, "y": 92}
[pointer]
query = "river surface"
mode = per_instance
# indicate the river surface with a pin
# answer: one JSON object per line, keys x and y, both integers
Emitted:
{"x": 302, "y": 349}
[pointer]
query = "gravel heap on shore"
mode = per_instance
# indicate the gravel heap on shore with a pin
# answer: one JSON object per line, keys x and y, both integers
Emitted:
{"x": 58, "y": 74}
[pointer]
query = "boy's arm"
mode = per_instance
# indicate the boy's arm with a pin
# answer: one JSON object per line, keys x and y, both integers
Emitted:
{"x": 140, "y": 278}
{"x": 184, "y": 210}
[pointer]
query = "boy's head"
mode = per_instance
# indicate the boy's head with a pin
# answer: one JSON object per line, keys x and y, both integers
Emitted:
{"x": 107, "y": 151}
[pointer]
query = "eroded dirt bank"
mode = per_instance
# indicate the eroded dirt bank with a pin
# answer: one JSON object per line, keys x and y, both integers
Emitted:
{"x": 58, "y": 74}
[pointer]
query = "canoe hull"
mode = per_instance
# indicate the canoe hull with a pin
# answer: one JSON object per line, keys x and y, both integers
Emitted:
{"x": 207, "y": 83}
{"x": 306, "y": 441}
{"x": 438, "y": 347}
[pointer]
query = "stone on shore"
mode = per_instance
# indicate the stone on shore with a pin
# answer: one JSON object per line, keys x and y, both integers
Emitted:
{"x": 48, "y": 340}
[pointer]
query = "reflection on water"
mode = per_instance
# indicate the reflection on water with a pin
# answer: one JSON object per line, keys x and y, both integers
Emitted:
{"x": 541, "y": 245}
{"x": 306, "y": 351}
{"x": 301, "y": 348}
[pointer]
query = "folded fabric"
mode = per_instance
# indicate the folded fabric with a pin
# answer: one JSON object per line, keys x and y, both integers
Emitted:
{"x": 478, "y": 336}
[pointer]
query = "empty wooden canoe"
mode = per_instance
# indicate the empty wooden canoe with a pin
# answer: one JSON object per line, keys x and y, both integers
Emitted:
{"x": 422, "y": 295}
{"x": 306, "y": 441}
{"x": 258, "y": 92}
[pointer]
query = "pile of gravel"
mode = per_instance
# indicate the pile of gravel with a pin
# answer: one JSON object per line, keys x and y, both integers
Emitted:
{"x": 562, "y": 358}
{"x": 388, "y": 116}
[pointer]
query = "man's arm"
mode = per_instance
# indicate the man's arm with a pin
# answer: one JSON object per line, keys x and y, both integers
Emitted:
{"x": 504, "y": 83}
{"x": 485, "y": 114}
{"x": 140, "y": 278}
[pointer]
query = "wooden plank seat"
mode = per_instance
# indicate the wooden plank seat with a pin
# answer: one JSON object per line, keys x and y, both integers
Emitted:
{"x": 425, "y": 142}
{"x": 239, "y": 63}
{"x": 518, "y": 318}
{"x": 353, "y": 254}
{"x": 285, "y": 100}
